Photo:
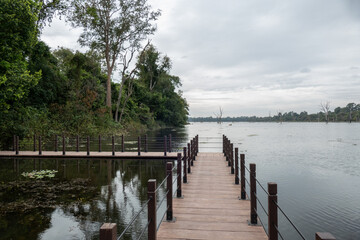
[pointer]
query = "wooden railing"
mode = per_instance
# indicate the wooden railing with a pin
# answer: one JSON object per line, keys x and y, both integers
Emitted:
{"x": 271, "y": 192}
{"x": 108, "y": 231}
{"x": 98, "y": 143}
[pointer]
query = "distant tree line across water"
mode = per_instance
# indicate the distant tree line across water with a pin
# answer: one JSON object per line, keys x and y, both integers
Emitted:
{"x": 349, "y": 113}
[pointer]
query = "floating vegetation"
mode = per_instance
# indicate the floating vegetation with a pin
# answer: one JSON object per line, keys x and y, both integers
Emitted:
{"x": 40, "y": 174}
{"x": 253, "y": 135}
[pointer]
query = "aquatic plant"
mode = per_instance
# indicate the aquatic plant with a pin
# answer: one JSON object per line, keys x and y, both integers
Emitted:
{"x": 40, "y": 174}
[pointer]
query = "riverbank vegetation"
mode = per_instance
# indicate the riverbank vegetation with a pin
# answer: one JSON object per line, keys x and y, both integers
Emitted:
{"x": 62, "y": 91}
{"x": 349, "y": 113}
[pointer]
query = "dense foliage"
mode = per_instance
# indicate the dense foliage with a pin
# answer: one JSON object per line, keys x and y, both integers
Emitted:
{"x": 48, "y": 92}
{"x": 349, "y": 113}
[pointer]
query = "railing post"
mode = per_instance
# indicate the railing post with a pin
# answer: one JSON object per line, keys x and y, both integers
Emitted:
{"x": 63, "y": 142}
{"x": 17, "y": 145}
{"x": 122, "y": 143}
{"x": 139, "y": 145}
{"x": 99, "y": 143}
{"x": 253, "y": 204}
{"x": 197, "y": 144}
{"x": 232, "y": 158}
{"x": 165, "y": 145}
{"x": 169, "y": 201}
{"x": 40, "y": 149}
{"x": 108, "y": 231}
{"x": 237, "y": 166}
{"x": 14, "y": 143}
{"x": 242, "y": 175}
{"x": 272, "y": 211}
{"x": 178, "y": 191}
{"x": 152, "y": 209}
{"x": 170, "y": 142}
{"x": 113, "y": 145}
{"x": 88, "y": 145}
{"x": 77, "y": 143}
{"x": 192, "y": 152}
{"x": 185, "y": 166}
{"x": 146, "y": 143}
{"x": 188, "y": 157}
{"x": 56, "y": 143}
{"x": 324, "y": 236}
{"x": 229, "y": 154}
{"x": 34, "y": 142}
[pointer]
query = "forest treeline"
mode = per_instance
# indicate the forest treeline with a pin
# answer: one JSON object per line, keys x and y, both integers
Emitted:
{"x": 349, "y": 113}
{"x": 118, "y": 84}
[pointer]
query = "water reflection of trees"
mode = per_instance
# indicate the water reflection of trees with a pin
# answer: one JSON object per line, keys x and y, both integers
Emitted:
{"x": 123, "y": 192}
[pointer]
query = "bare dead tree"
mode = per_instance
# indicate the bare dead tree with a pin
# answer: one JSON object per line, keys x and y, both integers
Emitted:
{"x": 219, "y": 115}
{"x": 280, "y": 115}
{"x": 325, "y": 108}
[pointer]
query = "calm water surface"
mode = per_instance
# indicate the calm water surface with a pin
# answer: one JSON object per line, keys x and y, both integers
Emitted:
{"x": 315, "y": 165}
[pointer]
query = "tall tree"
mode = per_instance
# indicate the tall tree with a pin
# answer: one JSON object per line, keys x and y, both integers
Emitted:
{"x": 18, "y": 34}
{"x": 113, "y": 28}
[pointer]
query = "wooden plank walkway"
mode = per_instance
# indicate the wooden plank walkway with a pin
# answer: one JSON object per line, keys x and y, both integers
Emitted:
{"x": 210, "y": 208}
{"x": 101, "y": 155}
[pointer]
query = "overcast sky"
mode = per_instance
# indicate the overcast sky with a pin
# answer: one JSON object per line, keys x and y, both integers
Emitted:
{"x": 255, "y": 57}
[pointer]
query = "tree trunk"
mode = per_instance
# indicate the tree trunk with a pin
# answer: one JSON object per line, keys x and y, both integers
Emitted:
{"x": 118, "y": 102}
{"x": 108, "y": 92}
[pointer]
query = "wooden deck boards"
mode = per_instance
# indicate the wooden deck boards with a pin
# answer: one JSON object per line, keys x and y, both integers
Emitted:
{"x": 71, "y": 154}
{"x": 210, "y": 208}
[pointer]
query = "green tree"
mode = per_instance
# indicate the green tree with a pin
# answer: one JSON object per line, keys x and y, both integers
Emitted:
{"x": 52, "y": 87}
{"x": 18, "y": 35}
{"x": 113, "y": 28}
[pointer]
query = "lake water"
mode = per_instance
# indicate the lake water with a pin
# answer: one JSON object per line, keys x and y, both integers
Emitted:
{"x": 315, "y": 165}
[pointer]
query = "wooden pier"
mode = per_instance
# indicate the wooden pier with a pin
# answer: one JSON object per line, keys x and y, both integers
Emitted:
{"x": 210, "y": 207}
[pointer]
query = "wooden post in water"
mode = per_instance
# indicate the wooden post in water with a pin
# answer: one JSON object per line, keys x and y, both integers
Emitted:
{"x": 169, "y": 184}
{"x": 242, "y": 175}
{"x": 152, "y": 209}
{"x": 272, "y": 211}
{"x": 253, "y": 204}
{"x": 108, "y": 231}
{"x": 237, "y": 166}
{"x": 56, "y": 143}
{"x": 324, "y": 236}
{"x": 122, "y": 143}
{"x": 178, "y": 191}
{"x": 146, "y": 143}
{"x": 185, "y": 167}
{"x": 165, "y": 145}
{"x": 88, "y": 145}
{"x": 77, "y": 143}
{"x": 139, "y": 145}
{"x": 40, "y": 149}
{"x": 34, "y": 142}
{"x": 113, "y": 145}
{"x": 63, "y": 144}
